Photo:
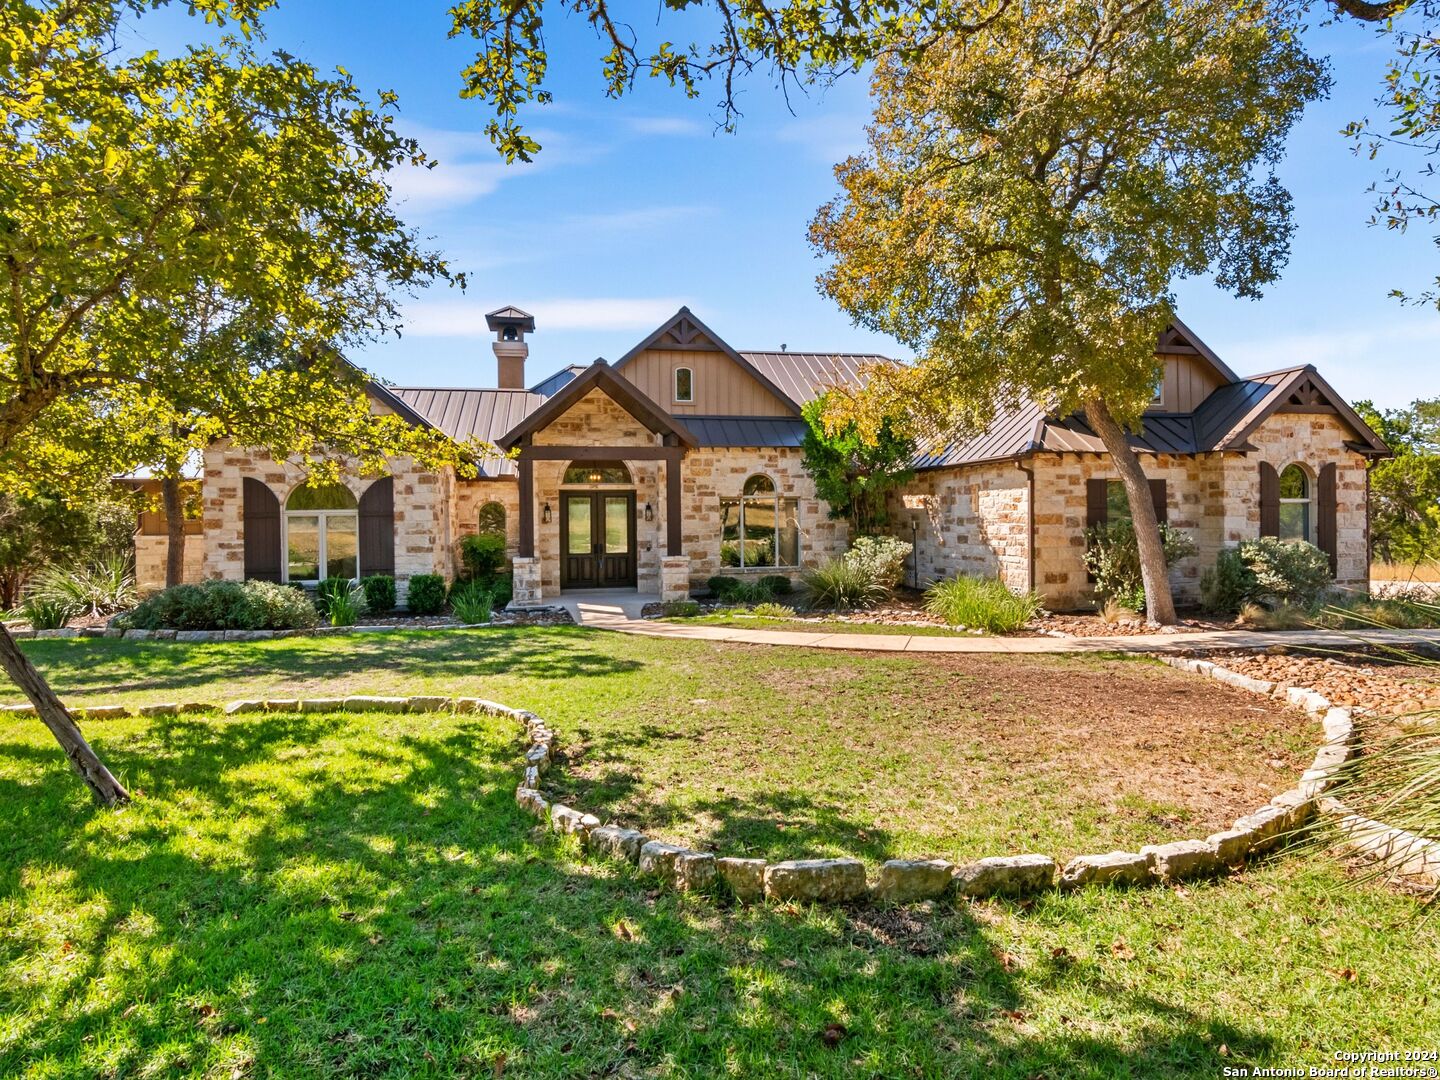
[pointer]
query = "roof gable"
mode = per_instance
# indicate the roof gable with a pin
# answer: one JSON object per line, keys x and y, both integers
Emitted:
{"x": 1230, "y": 415}
{"x": 1178, "y": 339}
{"x": 598, "y": 376}
{"x": 683, "y": 330}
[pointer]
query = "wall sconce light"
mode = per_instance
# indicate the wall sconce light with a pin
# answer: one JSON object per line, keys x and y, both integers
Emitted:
{"x": 545, "y": 514}
{"x": 649, "y": 512}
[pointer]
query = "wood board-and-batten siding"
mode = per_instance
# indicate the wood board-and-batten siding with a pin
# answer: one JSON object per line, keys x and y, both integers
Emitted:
{"x": 722, "y": 388}
{"x": 264, "y": 554}
{"x": 1185, "y": 385}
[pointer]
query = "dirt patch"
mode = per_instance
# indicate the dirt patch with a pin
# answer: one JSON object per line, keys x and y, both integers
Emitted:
{"x": 953, "y": 756}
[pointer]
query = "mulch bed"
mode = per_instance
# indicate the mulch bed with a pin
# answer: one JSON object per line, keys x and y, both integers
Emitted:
{"x": 1387, "y": 684}
{"x": 1090, "y": 624}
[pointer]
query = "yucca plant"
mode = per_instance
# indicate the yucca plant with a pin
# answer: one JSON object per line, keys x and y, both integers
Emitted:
{"x": 981, "y": 604}
{"x": 842, "y": 585}
{"x": 101, "y": 588}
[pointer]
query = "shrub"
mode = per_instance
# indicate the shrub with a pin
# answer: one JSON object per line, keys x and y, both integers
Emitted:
{"x": 379, "y": 593}
{"x": 483, "y": 554}
{"x": 1112, "y": 612}
{"x": 680, "y": 609}
{"x": 224, "y": 605}
{"x": 882, "y": 557}
{"x": 842, "y": 584}
{"x": 773, "y": 611}
{"x": 1286, "y": 571}
{"x": 46, "y": 612}
{"x": 344, "y": 608}
{"x": 778, "y": 584}
{"x": 471, "y": 603}
{"x": 502, "y": 590}
{"x": 1228, "y": 585}
{"x": 722, "y": 587}
{"x": 100, "y": 588}
{"x": 331, "y": 589}
{"x": 426, "y": 594}
{"x": 1112, "y": 555}
{"x": 981, "y": 604}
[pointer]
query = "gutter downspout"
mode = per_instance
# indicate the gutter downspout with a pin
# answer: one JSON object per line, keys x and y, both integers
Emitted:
{"x": 1029, "y": 471}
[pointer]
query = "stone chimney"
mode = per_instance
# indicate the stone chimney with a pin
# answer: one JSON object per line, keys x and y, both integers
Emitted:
{"x": 510, "y": 325}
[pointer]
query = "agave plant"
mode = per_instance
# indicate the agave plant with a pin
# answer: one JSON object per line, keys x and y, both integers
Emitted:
{"x": 101, "y": 588}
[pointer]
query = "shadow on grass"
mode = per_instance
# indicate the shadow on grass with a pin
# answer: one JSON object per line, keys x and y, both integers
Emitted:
{"x": 80, "y": 667}
{"x": 359, "y": 896}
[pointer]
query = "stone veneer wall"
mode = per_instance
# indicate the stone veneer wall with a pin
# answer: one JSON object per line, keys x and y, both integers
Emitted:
{"x": 150, "y": 554}
{"x": 422, "y": 514}
{"x": 975, "y": 518}
{"x": 712, "y": 473}
{"x": 470, "y": 496}
{"x": 974, "y": 521}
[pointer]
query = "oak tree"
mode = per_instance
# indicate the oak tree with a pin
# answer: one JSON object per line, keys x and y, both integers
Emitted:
{"x": 1030, "y": 194}
{"x": 129, "y": 186}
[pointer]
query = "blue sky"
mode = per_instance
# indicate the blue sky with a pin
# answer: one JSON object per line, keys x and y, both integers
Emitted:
{"x": 637, "y": 206}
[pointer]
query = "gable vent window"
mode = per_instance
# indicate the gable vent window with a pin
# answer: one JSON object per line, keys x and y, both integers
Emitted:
{"x": 684, "y": 385}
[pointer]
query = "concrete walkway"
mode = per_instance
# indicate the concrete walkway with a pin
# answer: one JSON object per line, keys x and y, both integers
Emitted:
{"x": 620, "y": 611}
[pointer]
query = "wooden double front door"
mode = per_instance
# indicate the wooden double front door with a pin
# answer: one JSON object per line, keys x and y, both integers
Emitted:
{"x": 597, "y": 539}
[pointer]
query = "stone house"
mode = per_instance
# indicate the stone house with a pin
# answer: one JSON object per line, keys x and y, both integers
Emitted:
{"x": 682, "y": 460}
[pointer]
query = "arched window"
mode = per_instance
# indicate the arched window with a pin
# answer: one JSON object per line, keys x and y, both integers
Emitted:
{"x": 597, "y": 472}
{"x": 1296, "y": 504}
{"x": 491, "y": 520}
{"x": 684, "y": 385}
{"x": 759, "y": 528}
{"x": 322, "y": 532}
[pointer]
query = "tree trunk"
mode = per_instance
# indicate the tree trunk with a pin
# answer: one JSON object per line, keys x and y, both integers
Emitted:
{"x": 1159, "y": 604}
{"x": 106, "y": 789}
{"x": 175, "y": 530}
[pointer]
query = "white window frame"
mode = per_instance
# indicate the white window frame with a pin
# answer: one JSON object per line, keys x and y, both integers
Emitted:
{"x": 323, "y": 531}
{"x": 1308, "y": 501}
{"x": 675, "y": 386}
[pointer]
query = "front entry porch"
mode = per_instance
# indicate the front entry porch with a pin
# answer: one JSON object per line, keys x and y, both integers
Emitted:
{"x": 602, "y": 607}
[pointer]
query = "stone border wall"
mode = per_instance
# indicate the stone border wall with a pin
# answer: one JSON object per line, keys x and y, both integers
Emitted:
{"x": 905, "y": 880}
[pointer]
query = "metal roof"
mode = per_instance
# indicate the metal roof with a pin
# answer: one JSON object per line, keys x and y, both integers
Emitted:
{"x": 483, "y": 415}
{"x": 804, "y": 376}
{"x": 549, "y": 386}
{"x": 762, "y": 431}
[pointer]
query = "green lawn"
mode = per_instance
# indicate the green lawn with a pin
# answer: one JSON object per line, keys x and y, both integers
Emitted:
{"x": 357, "y": 895}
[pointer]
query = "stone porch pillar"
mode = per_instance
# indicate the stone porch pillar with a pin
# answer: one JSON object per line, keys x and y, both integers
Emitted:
{"x": 674, "y": 578}
{"x": 526, "y": 581}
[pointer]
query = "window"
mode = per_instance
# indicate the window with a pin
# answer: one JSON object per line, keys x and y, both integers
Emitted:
{"x": 322, "y": 533}
{"x": 1295, "y": 504}
{"x": 597, "y": 472}
{"x": 684, "y": 384}
{"x": 491, "y": 520}
{"x": 1157, "y": 395}
{"x": 759, "y": 528}
{"x": 1117, "y": 503}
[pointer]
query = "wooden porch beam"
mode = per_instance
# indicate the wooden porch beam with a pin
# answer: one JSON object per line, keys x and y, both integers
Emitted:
{"x": 601, "y": 453}
{"x": 673, "y": 513}
{"x": 526, "y": 468}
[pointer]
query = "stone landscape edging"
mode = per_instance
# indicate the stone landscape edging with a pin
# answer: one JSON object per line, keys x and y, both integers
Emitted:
{"x": 210, "y": 636}
{"x": 843, "y": 880}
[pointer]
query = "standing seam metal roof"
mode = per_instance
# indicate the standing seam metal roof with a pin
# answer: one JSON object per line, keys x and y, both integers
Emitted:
{"x": 483, "y": 415}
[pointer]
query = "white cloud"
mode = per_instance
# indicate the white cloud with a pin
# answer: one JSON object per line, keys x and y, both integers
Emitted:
{"x": 464, "y": 318}
{"x": 831, "y": 137}
{"x": 445, "y": 185}
{"x": 664, "y": 125}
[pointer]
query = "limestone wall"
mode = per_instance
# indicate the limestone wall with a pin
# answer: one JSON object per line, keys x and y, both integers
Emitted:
{"x": 713, "y": 473}
{"x": 972, "y": 521}
{"x": 150, "y": 552}
{"x": 422, "y": 513}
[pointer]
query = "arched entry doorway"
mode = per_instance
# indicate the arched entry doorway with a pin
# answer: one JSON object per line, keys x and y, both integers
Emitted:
{"x": 597, "y": 526}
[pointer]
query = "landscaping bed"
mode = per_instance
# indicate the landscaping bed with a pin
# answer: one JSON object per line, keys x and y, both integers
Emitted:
{"x": 1382, "y": 681}
{"x": 1092, "y": 624}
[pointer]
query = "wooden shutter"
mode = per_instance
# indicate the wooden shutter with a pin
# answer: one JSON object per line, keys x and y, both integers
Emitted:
{"x": 1097, "y": 503}
{"x": 1269, "y": 500}
{"x": 1327, "y": 499}
{"x": 1160, "y": 497}
{"x": 377, "y": 528}
{"x": 261, "y": 515}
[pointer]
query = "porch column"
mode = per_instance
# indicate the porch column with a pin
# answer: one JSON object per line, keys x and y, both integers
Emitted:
{"x": 675, "y": 567}
{"x": 526, "y": 580}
